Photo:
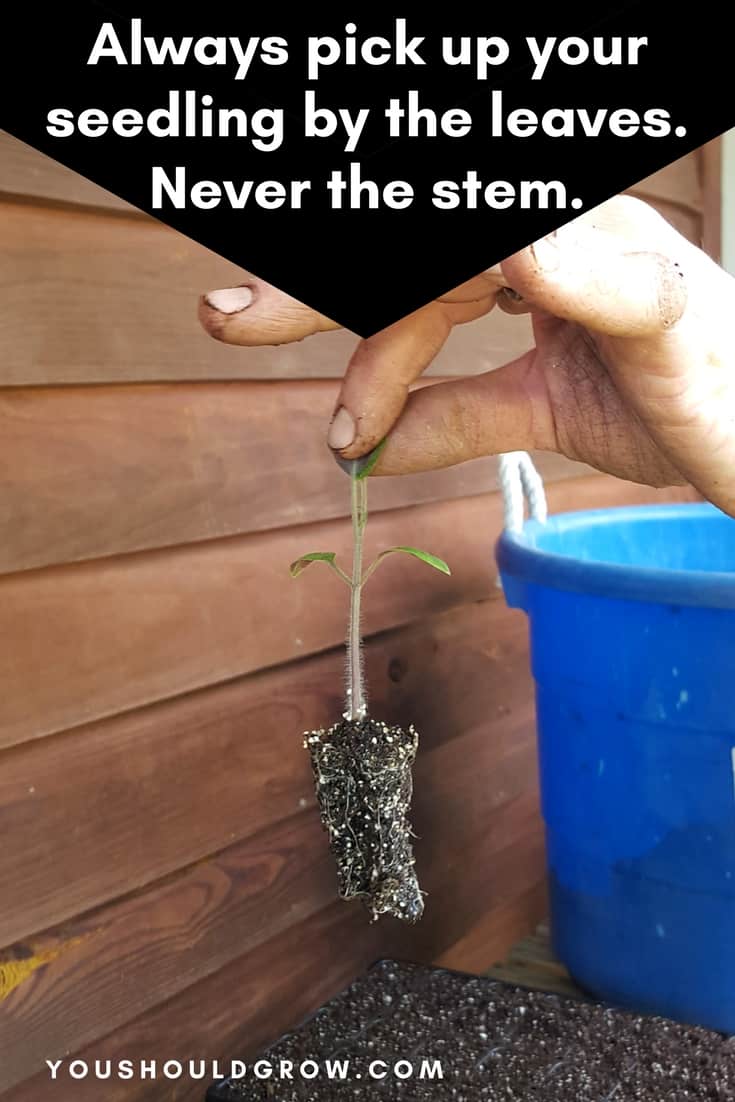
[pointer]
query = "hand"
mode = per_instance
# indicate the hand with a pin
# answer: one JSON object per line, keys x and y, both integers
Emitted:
{"x": 633, "y": 371}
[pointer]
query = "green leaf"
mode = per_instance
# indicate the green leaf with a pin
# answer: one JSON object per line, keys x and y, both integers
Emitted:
{"x": 425, "y": 556}
{"x": 374, "y": 456}
{"x": 314, "y": 556}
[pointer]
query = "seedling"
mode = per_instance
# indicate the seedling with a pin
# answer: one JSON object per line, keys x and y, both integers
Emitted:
{"x": 362, "y": 768}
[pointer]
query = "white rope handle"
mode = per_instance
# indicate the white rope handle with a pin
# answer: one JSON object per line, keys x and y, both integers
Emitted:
{"x": 519, "y": 479}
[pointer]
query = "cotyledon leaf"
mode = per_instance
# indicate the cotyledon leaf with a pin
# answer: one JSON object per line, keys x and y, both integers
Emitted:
{"x": 313, "y": 556}
{"x": 424, "y": 556}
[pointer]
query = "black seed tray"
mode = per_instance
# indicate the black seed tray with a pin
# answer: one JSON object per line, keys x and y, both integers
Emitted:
{"x": 494, "y": 1041}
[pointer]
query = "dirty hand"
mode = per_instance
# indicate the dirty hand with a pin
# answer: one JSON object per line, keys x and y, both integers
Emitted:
{"x": 633, "y": 370}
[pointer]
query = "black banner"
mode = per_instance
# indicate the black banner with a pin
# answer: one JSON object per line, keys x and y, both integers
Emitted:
{"x": 366, "y": 161}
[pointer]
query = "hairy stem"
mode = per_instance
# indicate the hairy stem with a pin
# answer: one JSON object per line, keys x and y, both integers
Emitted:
{"x": 356, "y": 705}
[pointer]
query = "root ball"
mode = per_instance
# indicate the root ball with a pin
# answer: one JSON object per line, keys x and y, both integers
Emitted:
{"x": 362, "y": 774}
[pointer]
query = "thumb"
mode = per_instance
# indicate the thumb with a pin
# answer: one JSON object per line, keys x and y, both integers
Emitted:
{"x": 615, "y": 271}
{"x": 447, "y": 423}
{"x": 376, "y": 384}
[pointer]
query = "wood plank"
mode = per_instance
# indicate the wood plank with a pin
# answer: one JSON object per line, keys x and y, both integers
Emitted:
{"x": 520, "y": 913}
{"x": 113, "y": 965}
{"x": 355, "y": 943}
{"x": 88, "y": 472}
{"x": 26, "y": 172}
{"x": 234, "y": 1014}
{"x": 79, "y": 982}
{"x": 94, "y": 639}
{"x": 532, "y": 963}
{"x": 98, "y": 638}
{"x": 678, "y": 182}
{"x": 229, "y": 759}
{"x": 710, "y": 164}
{"x": 230, "y": 1013}
{"x": 95, "y": 298}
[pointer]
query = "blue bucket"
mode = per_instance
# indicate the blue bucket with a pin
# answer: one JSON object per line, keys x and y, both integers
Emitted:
{"x": 632, "y": 627}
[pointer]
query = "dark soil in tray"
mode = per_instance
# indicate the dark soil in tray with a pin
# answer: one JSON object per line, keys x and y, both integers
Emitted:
{"x": 494, "y": 1041}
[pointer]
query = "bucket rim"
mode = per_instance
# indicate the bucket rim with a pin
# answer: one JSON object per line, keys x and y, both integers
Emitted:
{"x": 519, "y": 558}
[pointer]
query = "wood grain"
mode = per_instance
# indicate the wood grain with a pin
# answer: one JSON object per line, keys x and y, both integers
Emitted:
{"x": 98, "y": 638}
{"x": 103, "y": 969}
{"x": 710, "y": 166}
{"x": 110, "y": 966}
{"x": 229, "y": 759}
{"x": 26, "y": 172}
{"x": 88, "y": 472}
{"x": 532, "y": 963}
{"x": 679, "y": 182}
{"x": 477, "y": 945}
{"x": 95, "y": 639}
{"x": 239, "y": 1010}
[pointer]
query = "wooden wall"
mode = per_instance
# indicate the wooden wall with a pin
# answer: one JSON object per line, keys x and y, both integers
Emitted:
{"x": 166, "y": 888}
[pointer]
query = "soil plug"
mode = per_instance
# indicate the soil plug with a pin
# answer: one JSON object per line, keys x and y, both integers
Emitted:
{"x": 362, "y": 767}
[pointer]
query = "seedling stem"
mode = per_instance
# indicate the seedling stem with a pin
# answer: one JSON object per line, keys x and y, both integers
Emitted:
{"x": 356, "y": 704}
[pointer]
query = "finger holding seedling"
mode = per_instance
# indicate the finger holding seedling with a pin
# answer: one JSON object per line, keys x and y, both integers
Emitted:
{"x": 632, "y": 372}
{"x": 383, "y": 367}
{"x": 633, "y": 369}
{"x": 612, "y": 273}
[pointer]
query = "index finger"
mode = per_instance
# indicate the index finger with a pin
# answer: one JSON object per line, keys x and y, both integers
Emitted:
{"x": 257, "y": 313}
{"x": 378, "y": 377}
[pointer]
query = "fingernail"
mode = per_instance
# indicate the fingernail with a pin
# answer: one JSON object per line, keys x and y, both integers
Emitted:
{"x": 360, "y": 468}
{"x": 230, "y": 300}
{"x": 342, "y": 430}
{"x": 546, "y": 253}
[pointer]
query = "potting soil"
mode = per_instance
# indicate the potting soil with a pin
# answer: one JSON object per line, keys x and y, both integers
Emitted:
{"x": 493, "y": 1042}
